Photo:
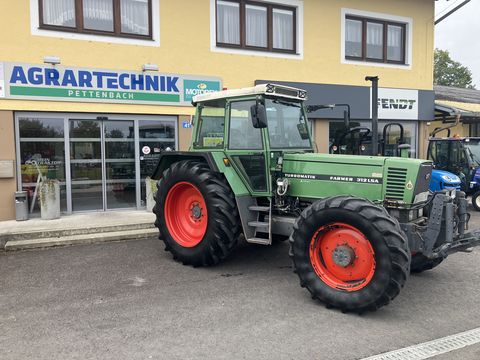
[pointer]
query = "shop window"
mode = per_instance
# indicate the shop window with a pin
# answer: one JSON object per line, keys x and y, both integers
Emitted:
{"x": 256, "y": 25}
{"x": 375, "y": 40}
{"x": 154, "y": 137}
{"x": 123, "y": 18}
{"x": 358, "y": 139}
{"x": 103, "y": 157}
{"x": 42, "y": 152}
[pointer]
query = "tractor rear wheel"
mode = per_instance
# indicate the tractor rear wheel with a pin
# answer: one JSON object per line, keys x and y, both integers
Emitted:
{"x": 421, "y": 263}
{"x": 196, "y": 214}
{"x": 350, "y": 253}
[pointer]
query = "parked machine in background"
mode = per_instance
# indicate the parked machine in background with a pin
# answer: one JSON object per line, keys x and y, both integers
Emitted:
{"x": 460, "y": 156}
{"x": 444, "y": 180}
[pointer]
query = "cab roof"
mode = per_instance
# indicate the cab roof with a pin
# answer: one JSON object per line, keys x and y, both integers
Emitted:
{"x": 263, "y": 89}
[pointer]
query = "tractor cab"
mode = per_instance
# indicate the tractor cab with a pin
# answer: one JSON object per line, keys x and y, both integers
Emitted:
{"x": 252, "y": 127}
{"x": 460, "y": 156}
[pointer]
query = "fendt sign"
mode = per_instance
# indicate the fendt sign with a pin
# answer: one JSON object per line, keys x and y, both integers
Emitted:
{"x": 395, "y": 104}
{"x": 41, "y": 82}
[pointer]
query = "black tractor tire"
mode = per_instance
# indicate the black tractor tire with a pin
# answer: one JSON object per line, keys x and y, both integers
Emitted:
{"x": 476, "y": 200}
{"x": 420, "y": 263}
{"x": 277, "y": 238}
{"x": 221, "y": 229}
{"x": 390, "y": 253}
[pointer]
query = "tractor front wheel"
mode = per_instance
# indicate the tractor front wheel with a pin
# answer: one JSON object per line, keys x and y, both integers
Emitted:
{"x": 196, "y": 214}
{"x": 350, "y": 253}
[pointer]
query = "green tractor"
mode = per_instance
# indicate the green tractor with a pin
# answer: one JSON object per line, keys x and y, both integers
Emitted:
{"x": 356, "y": 224}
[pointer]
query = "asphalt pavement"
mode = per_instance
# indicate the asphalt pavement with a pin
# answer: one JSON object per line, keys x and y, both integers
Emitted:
{"x": 130, "y": 300}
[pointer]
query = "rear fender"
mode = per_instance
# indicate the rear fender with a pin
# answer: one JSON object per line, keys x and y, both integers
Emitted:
{"x": 168, "y": 158}
{"x": 214, "y": 160}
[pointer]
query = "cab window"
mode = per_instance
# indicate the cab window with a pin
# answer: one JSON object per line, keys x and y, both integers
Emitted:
{"x": 439, "y": 154}
{"x": 243, "y": 136}
{"x": 457, "y": 155}
{"x": 211, "y": 125}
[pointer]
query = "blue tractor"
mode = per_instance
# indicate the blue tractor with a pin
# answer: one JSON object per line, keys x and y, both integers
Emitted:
{"x": 444, "y": 180}
{"x": 460, "y": 156}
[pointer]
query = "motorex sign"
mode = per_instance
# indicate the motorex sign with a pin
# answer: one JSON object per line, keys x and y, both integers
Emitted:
{"x": 42, "y": 82}
{"x": 195, "y": 87}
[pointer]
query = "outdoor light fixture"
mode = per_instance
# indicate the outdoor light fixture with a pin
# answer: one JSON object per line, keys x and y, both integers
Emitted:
{"x": 149, "y": 67}
{"x": 54, "y": 60}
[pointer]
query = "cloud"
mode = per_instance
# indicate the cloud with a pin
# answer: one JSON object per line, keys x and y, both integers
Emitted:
{"x": 459, "y": 34}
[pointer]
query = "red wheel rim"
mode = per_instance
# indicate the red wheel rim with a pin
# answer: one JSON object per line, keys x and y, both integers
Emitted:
{"x": 342, "y": 257}
{"x": 186, "y": 214}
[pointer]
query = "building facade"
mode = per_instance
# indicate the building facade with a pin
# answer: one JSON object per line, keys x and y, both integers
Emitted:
{"x": 457, "y": 111}
{"x": 92, "y": 91}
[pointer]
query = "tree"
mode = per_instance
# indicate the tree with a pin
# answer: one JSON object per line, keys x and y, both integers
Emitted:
{"x": 449, "y": 72}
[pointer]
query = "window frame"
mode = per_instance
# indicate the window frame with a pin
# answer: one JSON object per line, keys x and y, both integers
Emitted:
{"x": 80, "y": 29}
{"x": 269, "y": 6}
{"x": 229, "y": 112}
{"x": 198, "y": 126}
{"x": 385, "y": 24}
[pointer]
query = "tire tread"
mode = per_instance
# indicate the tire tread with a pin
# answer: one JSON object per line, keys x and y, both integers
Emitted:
{"x": 222, "y": 211}
{"x": 387, "y": 226}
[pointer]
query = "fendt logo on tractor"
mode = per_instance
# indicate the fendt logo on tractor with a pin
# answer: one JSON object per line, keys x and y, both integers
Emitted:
{"x": 357, "y": 225}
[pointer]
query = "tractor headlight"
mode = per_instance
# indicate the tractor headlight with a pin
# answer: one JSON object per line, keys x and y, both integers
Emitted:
{"x": 450, "y": 178}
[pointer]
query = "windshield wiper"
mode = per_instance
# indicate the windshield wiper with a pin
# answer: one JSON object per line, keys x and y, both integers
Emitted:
{"x": 286, "y": 103}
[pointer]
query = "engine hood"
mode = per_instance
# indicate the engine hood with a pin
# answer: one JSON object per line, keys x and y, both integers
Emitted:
{"x": 376, "y": 178}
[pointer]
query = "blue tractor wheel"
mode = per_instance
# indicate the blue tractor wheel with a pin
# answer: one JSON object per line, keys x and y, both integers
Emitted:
{"x": 476, "y": 200}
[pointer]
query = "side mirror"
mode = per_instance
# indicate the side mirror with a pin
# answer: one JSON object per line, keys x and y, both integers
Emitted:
{"x": 346, "y": 119}
{"x": 259, "y": 116}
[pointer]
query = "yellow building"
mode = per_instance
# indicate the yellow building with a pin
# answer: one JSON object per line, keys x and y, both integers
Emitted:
{"x": 92, "y": 91}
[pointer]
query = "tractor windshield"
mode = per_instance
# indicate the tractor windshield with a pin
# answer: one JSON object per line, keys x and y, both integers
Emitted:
{"x": 287, "y": 125}
{"x": 473, "y": 150}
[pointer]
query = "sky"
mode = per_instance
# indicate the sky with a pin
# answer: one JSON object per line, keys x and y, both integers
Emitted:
{"x": 460, "y": 34}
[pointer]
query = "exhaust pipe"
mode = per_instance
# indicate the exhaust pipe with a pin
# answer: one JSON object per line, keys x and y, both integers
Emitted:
{"x": 374, "y": 80}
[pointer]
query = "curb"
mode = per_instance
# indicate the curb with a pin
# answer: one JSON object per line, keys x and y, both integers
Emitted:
{"x": 80, "y": 239}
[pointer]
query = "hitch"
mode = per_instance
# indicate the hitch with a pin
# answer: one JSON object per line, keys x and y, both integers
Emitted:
{"x": 445, "y": 232}
{"x": 465, "y": 242}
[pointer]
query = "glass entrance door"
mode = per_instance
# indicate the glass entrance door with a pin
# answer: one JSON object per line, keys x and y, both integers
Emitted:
{"x": 102, "y": 163}
{"x": 119, "y": 159}
{"x": 86, "y": 164}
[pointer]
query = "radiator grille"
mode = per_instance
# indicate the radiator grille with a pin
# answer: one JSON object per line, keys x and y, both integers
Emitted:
{"x": 396, "y": 181}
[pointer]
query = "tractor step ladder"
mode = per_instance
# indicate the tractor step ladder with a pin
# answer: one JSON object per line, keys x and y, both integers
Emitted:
{"x": 259, "y": 226}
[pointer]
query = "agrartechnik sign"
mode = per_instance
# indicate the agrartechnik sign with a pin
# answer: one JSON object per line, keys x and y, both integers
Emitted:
{"x": 59, "y": 83}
